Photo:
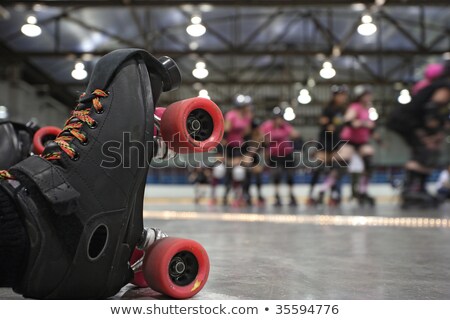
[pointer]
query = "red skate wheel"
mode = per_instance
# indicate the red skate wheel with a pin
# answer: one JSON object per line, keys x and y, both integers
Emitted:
{"x": 138, "y": 278}
{"x": 176, "y": 267}
{"x": 192, "y": 125}
{"x": 42, "y": 136}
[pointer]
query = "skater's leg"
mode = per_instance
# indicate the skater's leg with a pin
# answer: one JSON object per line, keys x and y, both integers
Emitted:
{"x": 277, "y": 173}
{"x": 247, "y": 184}
{"x": 228, "y": 181}
{"x": 316, "y": 173}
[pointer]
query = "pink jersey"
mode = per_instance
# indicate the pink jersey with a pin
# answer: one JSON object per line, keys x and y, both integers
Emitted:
{"x": 357, "y": 135}
{"x": 239, "y": 127}
{"x": 280, "y": 143}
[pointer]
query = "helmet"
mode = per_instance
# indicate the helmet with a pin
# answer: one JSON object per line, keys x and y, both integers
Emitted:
{"x": 241, "y": 101}
{"x": 277, "y": 112}
{"x": 361, "y": 90}
{"x": 337, "y": 89}
{"x": 434, "y": 71}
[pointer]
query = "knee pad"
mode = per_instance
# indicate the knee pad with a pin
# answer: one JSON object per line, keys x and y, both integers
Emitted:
{"x": 219, "y": 171}
{"x": 238, "y": 174}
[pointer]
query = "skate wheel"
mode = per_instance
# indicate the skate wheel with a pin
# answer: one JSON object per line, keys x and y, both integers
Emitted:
{"x": 42, "y": 136}
{"x": 138, "y": 278}
{"x": 178, "y": 268}
{"x": 192, "y": 125}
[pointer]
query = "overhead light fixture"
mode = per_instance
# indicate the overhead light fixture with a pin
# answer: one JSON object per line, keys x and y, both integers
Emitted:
{"x": 367, "y": 28}
{"x": 311, "y": 82}
{"x": 3, "y": 112}
{"x": 200, "y": 71}
{"x": 358, "y": 6}
{"x": 79, "y": 73}
{"x": 289, "y": 114}
{"x": 196, "y": 29}
{"x": 304, "y": 97}
{"x": 31, "y": 29}
{"x": 327, "y": 71}
{"x": 373, "y": 114}
{"x": 204, "y": 94}
{"x": 193, "y": 45}
{"x": 404, "y": 97}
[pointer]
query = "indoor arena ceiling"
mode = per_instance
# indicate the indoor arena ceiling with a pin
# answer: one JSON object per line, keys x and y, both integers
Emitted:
{"x": 263, "y": 48}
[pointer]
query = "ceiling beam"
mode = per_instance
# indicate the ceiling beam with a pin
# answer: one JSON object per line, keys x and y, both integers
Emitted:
{"x": 267, "y": 81}
{"x": 219, "y": 3}
{"x": 35, "y": 75}
{"x": 247, "y": 52}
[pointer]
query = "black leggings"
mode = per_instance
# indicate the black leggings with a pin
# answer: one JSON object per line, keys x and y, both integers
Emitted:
{"x": 13, "y": 242}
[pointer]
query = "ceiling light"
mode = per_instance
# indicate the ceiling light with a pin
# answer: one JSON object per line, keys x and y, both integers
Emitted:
{"x": 200, "y": 71}
{"x": 3, "y": 112}
{"x": 373, "y": 114}
{"x": 31, "y": 29}
{"x": 193, "y": 45}
{"x": 404, "y": 97}
{"x": 358, "y": 6}
{"x": 79, "y": 73}
{"x": 311, "y": 83}
{"x": 304, "y": 97}
{"x": 289, "y": 114}
{"x": 327, "y": 71}
{"x": 366, "y": 28}
{"x": 196, "y": 29}
{"x": 204, "y": 94}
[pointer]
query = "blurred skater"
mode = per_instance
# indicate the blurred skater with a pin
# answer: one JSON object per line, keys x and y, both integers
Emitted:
{"x": 279, "y": 138}
{"x": 422, "y": 124}
{"x": 443, "y": 185}
{"x": 237, "y": 125}
{"x": 254, "y": 164}
{"x": 358, "y": 131}
{"x": 331, "y": 122}
{"x": 200, "y": 177}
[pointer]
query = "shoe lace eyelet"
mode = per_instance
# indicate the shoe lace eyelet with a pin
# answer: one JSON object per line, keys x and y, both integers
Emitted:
{"x": 100, "y": 111}
{"x": 93, "y": 125}
{"x": 76, "y": 157}
{"x": 85, "y": 142}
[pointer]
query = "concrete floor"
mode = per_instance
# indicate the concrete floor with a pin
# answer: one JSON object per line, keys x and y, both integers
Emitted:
{"x": 353, "y": 253}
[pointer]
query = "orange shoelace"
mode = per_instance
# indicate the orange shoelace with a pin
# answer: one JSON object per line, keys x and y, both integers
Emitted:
{"x": 71, "y": 130}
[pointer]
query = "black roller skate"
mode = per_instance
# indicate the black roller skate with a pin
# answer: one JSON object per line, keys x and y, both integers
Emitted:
{"x": 419, "y": 199}
{"x": 277, "y": 201}
{"x": 365, "y": 199}
{"x": 292, "y": 201}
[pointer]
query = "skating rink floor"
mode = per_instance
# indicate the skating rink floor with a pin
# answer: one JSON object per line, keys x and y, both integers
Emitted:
{"x": 307, "y": 253}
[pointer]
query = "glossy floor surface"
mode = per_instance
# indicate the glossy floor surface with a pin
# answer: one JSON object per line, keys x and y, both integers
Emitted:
{"x": 308, "y": 253}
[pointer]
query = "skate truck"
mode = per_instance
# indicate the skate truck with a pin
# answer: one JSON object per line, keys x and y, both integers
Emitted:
{"x": 176, "y": 267}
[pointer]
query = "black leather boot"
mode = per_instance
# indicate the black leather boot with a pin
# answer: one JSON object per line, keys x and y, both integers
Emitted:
{"x": 81, "y": 202}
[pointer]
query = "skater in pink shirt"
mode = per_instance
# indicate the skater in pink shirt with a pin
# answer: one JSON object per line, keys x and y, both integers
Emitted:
{"x": 279, "y": 138}
{"x": 358, "y": 132}
{"x": 238, "y": 124}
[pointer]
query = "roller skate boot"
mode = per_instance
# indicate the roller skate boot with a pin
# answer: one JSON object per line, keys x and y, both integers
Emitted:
{"x": 81, "y": 201}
